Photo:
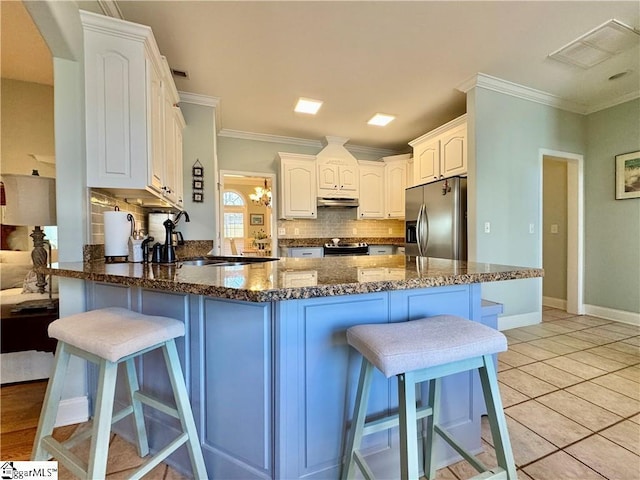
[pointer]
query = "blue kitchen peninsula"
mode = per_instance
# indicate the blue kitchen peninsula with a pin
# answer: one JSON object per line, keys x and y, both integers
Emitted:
{"x": 271, "y": 378}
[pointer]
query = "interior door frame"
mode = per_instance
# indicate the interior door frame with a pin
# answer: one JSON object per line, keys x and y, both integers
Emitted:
{"x": 274, "y": 205}
{"x": 575, "y": 225}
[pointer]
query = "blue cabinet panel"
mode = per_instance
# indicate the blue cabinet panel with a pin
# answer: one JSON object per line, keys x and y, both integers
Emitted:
{"x": 237, "y": 392}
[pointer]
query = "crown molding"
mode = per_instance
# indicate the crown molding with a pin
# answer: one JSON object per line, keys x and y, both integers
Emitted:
{"x": 488, "y": 82}
{"x": 618, "y": 101}
{"x": 198, "y": 99}
{"x": 305, "y": 142}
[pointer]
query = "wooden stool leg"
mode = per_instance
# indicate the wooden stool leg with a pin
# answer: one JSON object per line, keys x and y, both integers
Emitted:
{"x": 357, "y": 422}
{"x": 184, "y": 409}
{"x": 432, "y": 421}
{"x": 497, "y": 420}
{"x": 102, "y": 420}
{"x": 408, "y": 426}
{"x": 138, "y": 417}
{"x": 51, "y": 401}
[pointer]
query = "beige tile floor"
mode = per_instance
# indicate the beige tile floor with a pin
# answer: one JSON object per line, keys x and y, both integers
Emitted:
{"x": 571, "y": 391}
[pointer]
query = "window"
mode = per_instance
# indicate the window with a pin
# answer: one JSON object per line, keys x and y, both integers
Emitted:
{"x": 234, "y": 215}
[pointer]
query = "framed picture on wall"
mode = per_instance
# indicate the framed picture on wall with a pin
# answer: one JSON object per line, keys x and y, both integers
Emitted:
{"x": 198, "y": 184}
{"x": 256, "y": 219}
{"x": 628, "y": 175}
{"x": 197, "y": 197}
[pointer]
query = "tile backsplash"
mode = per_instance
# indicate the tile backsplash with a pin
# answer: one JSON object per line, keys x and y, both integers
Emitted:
{"x": 342, "y": 223}
{"x": 103, "y": 202}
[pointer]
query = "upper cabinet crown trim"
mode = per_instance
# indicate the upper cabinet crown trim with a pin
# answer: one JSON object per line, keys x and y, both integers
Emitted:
{"x": 444, "y": 128}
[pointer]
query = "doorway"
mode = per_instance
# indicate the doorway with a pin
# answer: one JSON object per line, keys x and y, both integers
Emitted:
{"x": 562, "y": 216}
{"x": 247, "y": 223}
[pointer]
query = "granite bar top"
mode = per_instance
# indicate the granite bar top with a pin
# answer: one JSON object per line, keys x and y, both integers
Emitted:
{"x": 296, "y": 278}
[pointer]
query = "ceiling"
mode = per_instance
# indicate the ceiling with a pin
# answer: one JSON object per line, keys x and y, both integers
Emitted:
{"x": 363, "y": 57}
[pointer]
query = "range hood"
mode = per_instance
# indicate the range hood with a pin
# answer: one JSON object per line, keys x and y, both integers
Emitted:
{"x": 337, "y": 202}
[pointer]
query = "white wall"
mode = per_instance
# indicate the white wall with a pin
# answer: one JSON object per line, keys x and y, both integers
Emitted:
{"x": 199, "y": 144}
{"x": 506, "y": 134}
{"x": 612, "y": 246}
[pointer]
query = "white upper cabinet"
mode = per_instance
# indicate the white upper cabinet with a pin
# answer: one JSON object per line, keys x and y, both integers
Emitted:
{"x": 372, "y": 184}
{"x": 131, "y": 123}
{"x": 395, "y": 175}
{"x": 441, "y": 153}
{"x": 336, "y": 180}
{"x": 297, "y": 196}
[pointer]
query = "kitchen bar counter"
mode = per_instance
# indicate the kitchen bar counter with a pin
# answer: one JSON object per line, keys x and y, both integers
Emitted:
{"x": 297, "y": 278}
{"x": 270, "y": 375}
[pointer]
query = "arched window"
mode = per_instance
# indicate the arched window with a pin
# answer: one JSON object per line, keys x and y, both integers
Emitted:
{"x": 235, "y": 214}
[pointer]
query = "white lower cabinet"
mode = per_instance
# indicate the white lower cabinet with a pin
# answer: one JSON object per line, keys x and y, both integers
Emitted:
{"x": 305, "y": 252}
{"x": 381, "y": 249}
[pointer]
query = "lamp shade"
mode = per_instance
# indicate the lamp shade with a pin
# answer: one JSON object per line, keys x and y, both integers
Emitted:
{"x": 31, "y": 200}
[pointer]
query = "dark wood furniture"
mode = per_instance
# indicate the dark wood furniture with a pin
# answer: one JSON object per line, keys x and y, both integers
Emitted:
{"x": 27, "y": 330}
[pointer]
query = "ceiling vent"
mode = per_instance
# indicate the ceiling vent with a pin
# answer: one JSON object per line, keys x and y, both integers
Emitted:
{"x": 598, "y": 45}
{"x": 180, "y": 73}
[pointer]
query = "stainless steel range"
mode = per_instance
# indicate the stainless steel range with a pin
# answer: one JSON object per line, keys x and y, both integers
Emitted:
{"x": 360, "y": 248}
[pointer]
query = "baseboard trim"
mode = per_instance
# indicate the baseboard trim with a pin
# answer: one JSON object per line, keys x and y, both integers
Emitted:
{"x": 554, "y": 303}
{"x": 521, "y": 320}
{"x": 72, "y": 411}
{"x": 623, "y": 316}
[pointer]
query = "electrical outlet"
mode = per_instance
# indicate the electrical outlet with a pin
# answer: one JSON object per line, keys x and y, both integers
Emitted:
{"x": 390, "y": 230}
{"x": 487, "y": 227}
{"x": 554, "y": 228}
{"x": 282, "y": 231}
{"x": 355, "y": 231}
{"x": 296, "y": 231}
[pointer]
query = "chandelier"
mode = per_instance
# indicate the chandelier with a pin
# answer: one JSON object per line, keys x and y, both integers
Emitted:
{"x": 262, "y": 195}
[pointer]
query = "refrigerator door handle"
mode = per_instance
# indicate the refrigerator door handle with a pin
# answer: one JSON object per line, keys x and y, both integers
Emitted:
{"x": 425, "y": 236}
{"x": 419, "y": 231}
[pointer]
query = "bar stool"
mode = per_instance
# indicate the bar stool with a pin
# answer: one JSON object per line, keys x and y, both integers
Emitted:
{"x": 108, "y": 337}
{"x": 418, "y": 351}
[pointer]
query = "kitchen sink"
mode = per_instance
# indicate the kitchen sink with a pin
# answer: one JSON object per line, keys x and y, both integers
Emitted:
{"x": 225, "y": 261}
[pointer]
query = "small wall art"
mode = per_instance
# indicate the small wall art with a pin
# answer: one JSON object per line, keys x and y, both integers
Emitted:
{"x": 628, "y": 175}
{"x": 198, "y": 182}
{"x": 256, "y": 219}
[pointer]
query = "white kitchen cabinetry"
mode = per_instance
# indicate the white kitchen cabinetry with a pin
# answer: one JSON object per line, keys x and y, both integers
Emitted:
{"x": 395, "y": 176}
{"x": 132, "y": 129}
{"x": 297, "y": 193}
{"x": 305, "y": 252}
{"x": 335, "y": 180}
{"x": 381, "y": 249}
{"x": 441, "y": 153}
{"x": 372, "y": 183}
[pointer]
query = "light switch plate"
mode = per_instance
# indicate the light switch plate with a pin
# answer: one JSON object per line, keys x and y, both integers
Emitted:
{"x": 487, "y": 227}
{"x": 554, "y": 228}
{"x": 282, "y": 231}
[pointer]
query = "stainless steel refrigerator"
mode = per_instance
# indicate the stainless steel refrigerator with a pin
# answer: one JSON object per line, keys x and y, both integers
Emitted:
{"x": 436, "y": 219}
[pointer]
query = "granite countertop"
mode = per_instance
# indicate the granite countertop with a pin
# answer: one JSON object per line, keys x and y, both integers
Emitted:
{"x": 296, "y": 278}
{"x": 319, "y": 242}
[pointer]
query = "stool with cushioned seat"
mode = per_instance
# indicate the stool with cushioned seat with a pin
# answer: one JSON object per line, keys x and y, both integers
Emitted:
{"x": 418, "y": 351}
{"x": 108, "y": 337}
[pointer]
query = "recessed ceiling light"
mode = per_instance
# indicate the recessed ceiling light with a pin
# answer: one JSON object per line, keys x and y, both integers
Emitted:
{"x": 381, "y": 119}
{"x": 307, "y": 105}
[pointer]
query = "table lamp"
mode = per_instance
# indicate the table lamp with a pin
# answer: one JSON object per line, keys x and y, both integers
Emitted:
{"x": 31, "y": 201}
